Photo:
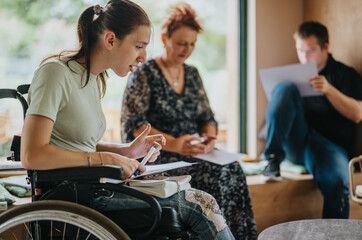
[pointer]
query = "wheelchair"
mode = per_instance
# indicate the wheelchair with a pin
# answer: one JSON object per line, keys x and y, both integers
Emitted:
{"x": 62, "y": 211}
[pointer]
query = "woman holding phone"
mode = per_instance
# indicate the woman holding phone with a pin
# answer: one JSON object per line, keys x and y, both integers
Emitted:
{"x": 169, "y": 94}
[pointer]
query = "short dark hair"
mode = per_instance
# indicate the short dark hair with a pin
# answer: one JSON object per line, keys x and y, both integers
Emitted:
{"x": 311, "y": 28}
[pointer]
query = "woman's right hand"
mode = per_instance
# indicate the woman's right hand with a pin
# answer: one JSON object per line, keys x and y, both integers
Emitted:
{"x": 129, "y": 165}
{"x": 183, "y": 146}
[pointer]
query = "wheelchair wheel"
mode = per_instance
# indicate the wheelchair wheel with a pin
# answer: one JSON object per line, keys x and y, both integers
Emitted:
{"x": 51, "y": 219}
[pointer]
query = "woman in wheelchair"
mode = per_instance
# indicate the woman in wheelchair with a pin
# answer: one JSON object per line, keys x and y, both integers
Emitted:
{"x": 65, "y": 121}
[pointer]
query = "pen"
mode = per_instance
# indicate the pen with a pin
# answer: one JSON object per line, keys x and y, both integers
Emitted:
{"x": 146, "y": 158}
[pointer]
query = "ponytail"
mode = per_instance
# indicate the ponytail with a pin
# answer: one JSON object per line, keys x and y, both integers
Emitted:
{"x": 85, "y": 41}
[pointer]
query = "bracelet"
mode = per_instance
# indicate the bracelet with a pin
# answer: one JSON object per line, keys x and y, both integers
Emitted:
{"x": 100, "y": 155}
{"x": 89, "y": 160}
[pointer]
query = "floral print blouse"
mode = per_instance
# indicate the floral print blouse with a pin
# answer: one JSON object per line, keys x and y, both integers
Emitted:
{"x": 149, "y": 98}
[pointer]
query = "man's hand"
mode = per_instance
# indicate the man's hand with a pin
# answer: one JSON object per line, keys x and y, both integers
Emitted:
{"x": 320, "y": 84}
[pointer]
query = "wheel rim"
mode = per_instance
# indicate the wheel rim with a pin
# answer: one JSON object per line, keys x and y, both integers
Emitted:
{"x": 51, "y": 217}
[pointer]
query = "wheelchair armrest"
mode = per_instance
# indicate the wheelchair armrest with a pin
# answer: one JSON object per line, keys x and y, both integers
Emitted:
{"x": 76, "y": 174}
{"x": 23, "y": 89}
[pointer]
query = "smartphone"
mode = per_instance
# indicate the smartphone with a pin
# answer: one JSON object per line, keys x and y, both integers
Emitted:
{"x": 204, "y": 140}
{"x": 207, "y": 139}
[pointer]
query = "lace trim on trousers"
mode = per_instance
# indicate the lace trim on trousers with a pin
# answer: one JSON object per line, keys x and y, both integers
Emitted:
{"x": 208, "y": 205}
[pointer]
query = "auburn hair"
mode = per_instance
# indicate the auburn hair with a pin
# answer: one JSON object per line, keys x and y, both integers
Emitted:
{"x": 180, "y": 15}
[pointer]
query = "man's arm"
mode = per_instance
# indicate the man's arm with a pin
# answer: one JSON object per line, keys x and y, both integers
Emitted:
{"x": 347, "y": 106}
{"x": 360, "y": 110}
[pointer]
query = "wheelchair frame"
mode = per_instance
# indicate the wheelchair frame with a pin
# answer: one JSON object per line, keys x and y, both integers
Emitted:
{"x": 84, "y": 183}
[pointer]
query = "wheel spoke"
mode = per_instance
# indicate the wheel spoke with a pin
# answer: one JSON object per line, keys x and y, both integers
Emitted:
{"x": 14, "y": 235}
{"x": 88, "y": 236}
{"x": 77, "y": 233}
{"x": 27, "y": 229}
{"x": 65, "y": 227}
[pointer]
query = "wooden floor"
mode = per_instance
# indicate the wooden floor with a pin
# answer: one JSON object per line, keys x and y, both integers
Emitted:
{"x": 296, "y": 197}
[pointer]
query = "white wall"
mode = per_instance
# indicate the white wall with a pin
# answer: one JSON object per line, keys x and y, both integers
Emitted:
{"x": 271, "y": 24}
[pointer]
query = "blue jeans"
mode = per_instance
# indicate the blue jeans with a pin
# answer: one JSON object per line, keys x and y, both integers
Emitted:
{"x": 290, "y": 137}
{"x": 191, "y": 214}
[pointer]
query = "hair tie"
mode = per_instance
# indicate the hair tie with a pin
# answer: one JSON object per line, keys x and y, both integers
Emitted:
{"x": 97, "y": 9}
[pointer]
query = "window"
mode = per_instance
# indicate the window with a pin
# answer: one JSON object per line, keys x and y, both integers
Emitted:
{"x": 31, "y": 30}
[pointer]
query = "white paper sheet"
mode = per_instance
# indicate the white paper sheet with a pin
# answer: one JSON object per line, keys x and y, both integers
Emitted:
{"x": 295, "y": 73}
{"x": 154, "y": 169}
{"x": 221, "y": 157}
{"x": 159, "y": 168}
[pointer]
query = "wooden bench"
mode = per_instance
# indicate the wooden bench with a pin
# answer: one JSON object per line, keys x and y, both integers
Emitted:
{"x": 296, "y": 197}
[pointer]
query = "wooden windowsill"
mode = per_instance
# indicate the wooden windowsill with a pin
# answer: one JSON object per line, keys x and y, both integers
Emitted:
{"x": 10, "y": 173}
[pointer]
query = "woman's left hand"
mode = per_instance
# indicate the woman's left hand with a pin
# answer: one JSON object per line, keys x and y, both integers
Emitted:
{"x": 143, "y": 143}
{"x": 210, "y": 145}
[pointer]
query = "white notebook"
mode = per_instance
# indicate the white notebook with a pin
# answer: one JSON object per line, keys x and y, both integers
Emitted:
{"x": 162, "y": 186}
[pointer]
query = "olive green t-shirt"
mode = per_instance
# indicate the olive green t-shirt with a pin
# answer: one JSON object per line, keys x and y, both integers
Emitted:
{"x": 57, "y": 92}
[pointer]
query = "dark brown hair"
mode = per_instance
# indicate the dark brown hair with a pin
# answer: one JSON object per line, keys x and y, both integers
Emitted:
{"x": 118, "y": 16}
{"x": 181, "y": 15}
{"x": 316, "y": 29}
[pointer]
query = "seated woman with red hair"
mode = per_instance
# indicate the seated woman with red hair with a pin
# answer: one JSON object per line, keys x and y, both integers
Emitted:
{"x": 170, "y": 95}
